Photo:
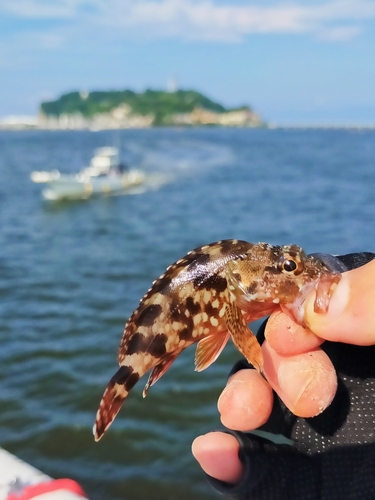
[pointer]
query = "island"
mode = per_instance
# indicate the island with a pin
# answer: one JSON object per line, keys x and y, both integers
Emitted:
{"x": 117, "y": 109}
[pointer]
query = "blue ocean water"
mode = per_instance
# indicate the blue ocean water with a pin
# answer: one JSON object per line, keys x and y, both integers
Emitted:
{"x": 71, "y": 274}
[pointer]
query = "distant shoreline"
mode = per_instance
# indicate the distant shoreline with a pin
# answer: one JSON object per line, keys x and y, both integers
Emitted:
{"x": 126, "y": 109}
{"x": 15, "y": 125}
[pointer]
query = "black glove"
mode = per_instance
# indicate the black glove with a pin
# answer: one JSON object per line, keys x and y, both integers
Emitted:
{"x": 329, "y": 457}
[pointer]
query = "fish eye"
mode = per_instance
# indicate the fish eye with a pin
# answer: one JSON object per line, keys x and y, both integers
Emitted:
{"x": 289, "y": 265}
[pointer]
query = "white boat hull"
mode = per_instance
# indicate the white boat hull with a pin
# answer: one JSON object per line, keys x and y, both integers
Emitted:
{"x": 81, "y": 187}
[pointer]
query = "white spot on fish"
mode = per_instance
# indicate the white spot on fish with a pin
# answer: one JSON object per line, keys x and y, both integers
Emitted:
{"x": 222, "y": 312}
{"x": 214, "y": 321}
{"x": 197, "y": 319}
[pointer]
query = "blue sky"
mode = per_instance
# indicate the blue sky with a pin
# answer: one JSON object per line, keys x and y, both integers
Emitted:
{"x": 295, "y": 62}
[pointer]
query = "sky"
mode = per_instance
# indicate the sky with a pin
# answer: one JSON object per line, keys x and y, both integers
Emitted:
{"x": 294, "y": 62}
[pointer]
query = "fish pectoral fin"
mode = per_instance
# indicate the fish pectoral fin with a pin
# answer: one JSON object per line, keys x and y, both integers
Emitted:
{"x": 117, "y": 390}
{"x": 233, "y": 272}
{"x": 243, "y": 338}
{"x": 157, "y": 372}
{"x": 209, "y": 348}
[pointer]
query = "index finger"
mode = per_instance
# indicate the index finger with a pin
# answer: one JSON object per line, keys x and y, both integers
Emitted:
{"x": 287, "y": 337}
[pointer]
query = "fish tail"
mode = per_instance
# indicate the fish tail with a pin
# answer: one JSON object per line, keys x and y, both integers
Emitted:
{"x": 115, "y": 394}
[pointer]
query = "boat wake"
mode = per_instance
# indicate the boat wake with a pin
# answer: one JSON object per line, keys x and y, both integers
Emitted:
{"x": 152, "y": 182}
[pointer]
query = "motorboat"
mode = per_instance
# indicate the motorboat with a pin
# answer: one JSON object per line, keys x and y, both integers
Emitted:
{"x": 104, "y": 175}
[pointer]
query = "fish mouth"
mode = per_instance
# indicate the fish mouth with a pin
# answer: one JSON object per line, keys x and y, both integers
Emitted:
{"x": 324, "y": 288}
{"x": 295, "y": 309}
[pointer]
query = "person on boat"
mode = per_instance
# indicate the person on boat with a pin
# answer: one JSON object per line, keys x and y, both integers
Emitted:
{"x": 328, "y": 456}
{"x": 122, "y": 168}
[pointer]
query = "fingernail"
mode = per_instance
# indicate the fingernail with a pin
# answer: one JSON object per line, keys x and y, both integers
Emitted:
{"x": 231, "y": 385}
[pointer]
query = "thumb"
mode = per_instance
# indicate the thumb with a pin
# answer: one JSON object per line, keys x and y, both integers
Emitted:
{"x": 350, "y": 317}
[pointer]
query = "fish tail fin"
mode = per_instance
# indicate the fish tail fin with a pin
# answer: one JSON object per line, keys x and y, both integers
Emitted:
{"x": 115, "y": 394}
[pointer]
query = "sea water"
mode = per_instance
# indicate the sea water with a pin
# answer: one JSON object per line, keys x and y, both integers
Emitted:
{"x": 71, "y": 274}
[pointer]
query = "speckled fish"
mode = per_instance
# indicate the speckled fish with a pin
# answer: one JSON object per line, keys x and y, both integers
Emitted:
{"x": 209, "y": 295}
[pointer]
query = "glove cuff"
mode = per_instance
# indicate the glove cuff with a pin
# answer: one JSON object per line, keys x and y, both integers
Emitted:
{"x": 271, "y": 472}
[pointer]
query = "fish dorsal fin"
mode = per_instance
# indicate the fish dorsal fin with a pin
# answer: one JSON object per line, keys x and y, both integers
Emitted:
{"x": 243, "y": 338}
{"x": 209, "y": 348}
{"x": 157, "y": 372}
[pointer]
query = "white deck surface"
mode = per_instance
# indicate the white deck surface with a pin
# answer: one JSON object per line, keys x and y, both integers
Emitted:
{"x": 15, "y": 475}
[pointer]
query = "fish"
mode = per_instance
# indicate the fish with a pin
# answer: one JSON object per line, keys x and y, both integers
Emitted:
{"x": 207, "y": 297}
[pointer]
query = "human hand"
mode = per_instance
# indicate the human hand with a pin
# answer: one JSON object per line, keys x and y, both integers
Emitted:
{"x": 296, "y": 368}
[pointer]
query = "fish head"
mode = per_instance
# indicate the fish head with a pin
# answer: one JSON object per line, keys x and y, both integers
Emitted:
{"x": 271, "y": 276}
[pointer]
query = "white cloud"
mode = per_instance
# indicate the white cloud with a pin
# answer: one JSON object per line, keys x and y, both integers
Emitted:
{"x": 340, "y": 34}
{"x": 334, "y": 20}
{"x": 38, "y": 9}
{"x": 203, "y": 19}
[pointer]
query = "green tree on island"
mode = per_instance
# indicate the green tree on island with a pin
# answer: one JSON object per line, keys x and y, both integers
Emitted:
{"x": 162, "y": 105}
